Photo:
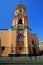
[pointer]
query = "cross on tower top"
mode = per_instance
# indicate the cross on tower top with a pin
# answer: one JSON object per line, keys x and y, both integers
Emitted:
{"x": 20, "y": 2}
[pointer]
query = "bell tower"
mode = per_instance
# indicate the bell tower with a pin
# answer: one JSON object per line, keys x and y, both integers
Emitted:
{"x": 20, "y": 16}
{"x": 20, "y": 30}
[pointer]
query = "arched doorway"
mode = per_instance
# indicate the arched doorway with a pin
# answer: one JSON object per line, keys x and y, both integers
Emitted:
{"x": 34, "y": 48}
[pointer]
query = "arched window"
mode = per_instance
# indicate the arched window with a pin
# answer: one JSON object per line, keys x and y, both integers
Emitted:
{"x": 20, "y": 48}
{"x": 20, "y": 21}
{"x": 3, "y": 48}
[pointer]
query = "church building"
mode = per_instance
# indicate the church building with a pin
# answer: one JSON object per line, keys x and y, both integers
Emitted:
{"x": 18, "y": 40}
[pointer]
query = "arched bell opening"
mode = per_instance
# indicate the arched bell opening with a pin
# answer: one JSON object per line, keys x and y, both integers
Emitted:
{"x": 20, "y": 21}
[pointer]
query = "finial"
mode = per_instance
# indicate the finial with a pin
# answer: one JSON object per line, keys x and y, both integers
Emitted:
{"x": 20, "y": 2}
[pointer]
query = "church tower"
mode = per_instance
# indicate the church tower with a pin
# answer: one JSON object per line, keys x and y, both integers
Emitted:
{"x": 20, "y": 30}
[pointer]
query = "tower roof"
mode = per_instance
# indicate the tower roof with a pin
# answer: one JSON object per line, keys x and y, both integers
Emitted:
{"x": 20, "y": 5}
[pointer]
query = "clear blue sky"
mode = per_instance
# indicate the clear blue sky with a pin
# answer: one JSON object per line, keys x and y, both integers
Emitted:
{"x": 34, "y": 12}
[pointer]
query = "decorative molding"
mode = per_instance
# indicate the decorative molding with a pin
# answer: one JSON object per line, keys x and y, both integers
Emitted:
{"x": 3, "y": 29}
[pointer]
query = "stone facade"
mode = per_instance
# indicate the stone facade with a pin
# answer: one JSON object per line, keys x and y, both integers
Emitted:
{"x": 41, "y": 45}
{"x": 18, "y": 39}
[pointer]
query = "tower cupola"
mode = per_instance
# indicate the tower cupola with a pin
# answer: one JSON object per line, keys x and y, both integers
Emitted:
{"x": 20, "y": 9}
